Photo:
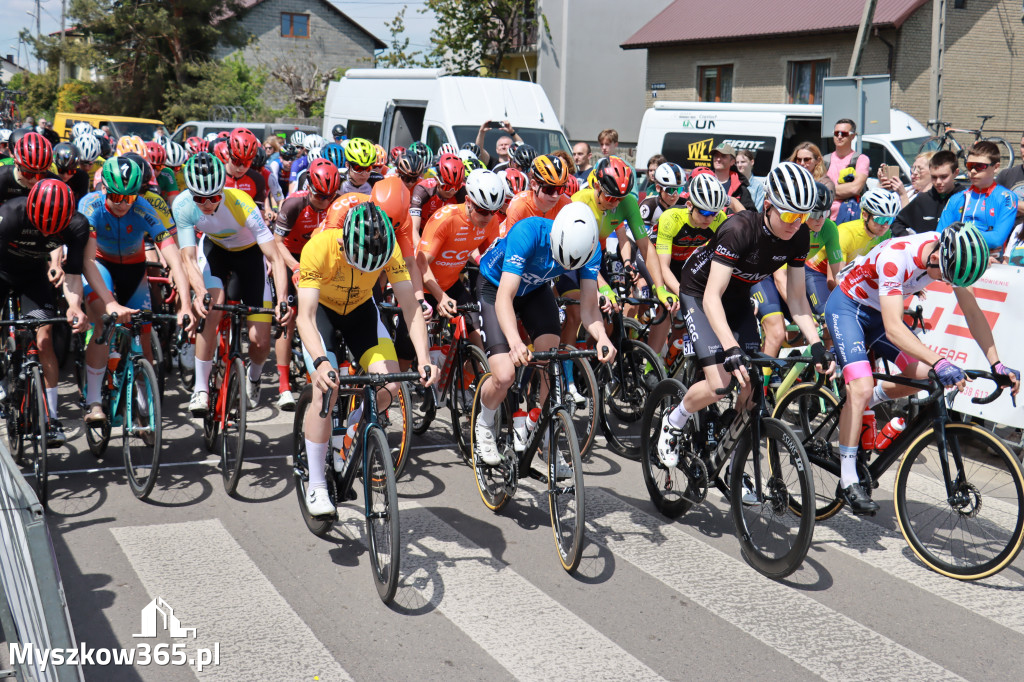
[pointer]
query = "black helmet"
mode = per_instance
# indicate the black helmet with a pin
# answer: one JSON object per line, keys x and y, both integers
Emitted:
{"x": 825, "y": 197}
{"x": 105, "y": 149}
{"x": 260, "y": 160}
{"x": 147, "y": 170}
{"x": 65, "y": 156}
{"x": 522, "y": 156}
{"x": 338, "y": 131}
{"x": 288, "y": 151}
{"x": 473, "y": 147}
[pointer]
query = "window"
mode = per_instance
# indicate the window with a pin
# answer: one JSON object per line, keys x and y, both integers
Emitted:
{"x": 805, "y": 81}
{"x": 714, "y": 83}
{"x": 294, "y": 25}
{"x": 435, "y": 138}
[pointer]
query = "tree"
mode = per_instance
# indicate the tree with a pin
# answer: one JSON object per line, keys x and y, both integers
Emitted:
{"x": 397, "y": 56}
{"x": 40, "y": 98}
{"x": 210, "y": 84}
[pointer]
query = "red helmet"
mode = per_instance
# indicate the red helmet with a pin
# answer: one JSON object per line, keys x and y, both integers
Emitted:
{"x": 451, "y": 172}
{"x": 194, "y": 145}
{"x": 220, "y": 150}
{"x": 516, "y": 180}
{"x": 396, "y": 152}
{"x": 243, "y": 145}
{"x": 33, "y": 152}
{"x": 392, "y": 196}
{"x": 613, "y": 176}
{"x": 50, "y": 206}
{"x": 157, "y": 154}
{"x": 324, "y": 177}
{"x": 572, "y": 185}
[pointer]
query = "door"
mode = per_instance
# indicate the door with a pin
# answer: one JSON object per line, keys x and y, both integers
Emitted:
{"x": 385, "y": 127}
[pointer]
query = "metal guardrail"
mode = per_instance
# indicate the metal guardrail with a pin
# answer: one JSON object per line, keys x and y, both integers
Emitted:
{"x": 33, "y": 609}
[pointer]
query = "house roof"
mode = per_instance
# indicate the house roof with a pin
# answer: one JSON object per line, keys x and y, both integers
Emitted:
{"x": 687, "y": 21}
{"x": 378, "y": 44}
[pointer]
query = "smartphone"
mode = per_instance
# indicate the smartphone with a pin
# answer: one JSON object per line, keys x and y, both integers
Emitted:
{"x": 494, "y": 125}
{"x": 891, "y": 172}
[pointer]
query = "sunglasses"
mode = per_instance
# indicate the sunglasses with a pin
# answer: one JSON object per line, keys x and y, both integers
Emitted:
{"x": 610, "y": 199}
{"x": 841, "y": 134}
{"x": 482, "y": 211}
{"x": 122, "y": 198}
{"x": 884, "y": 220}
{"x": 358, "y": 169}
{"x": 977, "y": 166}
{"x": 790, "y": 218}
{"x": 818, "y": 215}
{"x": 805, "y": 159}
{"x": 240, "y": 162}
{"x": 200, "y": 199}
{"x": 409, "y": 179}
{"x": 323, "y": 197}
{"x": 550, "y": 190}
{"x": 706, "y": 214}
{"x": 32, "y": 175}
{"x": 672, "y": 191}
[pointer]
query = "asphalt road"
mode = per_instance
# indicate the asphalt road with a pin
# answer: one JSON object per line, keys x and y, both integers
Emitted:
{"x": 483, "y": 595}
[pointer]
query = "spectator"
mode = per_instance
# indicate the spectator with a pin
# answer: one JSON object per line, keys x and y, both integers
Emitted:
{"x": 992, "y": 209}
{"x": 160, "y": 135}
{"x": 567, "y": 158}
{"x": 849, "y": 184}
{"x": 46, "y": 130}
{"x": 609, "y": 141}
{"x": 646, "y": 181}
{"x": 745, "y": 165}
{"x": 923, "y": 211}
{"x": 723, "y": 163}
{"x": 501, "y": 145}
{"x": 920, "y": 178}
{"x": 29, "y": 122}
{"x": 273, "y": 147}
{"x": 808, "y": 155}
{"x": 1013, "y": 179}
{"x": 584, "y": 161}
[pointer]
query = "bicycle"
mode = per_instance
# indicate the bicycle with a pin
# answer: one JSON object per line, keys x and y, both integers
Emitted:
{"x": 375, "y": 466}
{"x": 554, "y": 431}
{"x": 773, "y": 539}
{"x": 958, "y": 489}
{"x": 24, "y": 398}
{"x": 943, "y": 139}
{"x": 10, "y": 115}
{"x": 461, "y": 365}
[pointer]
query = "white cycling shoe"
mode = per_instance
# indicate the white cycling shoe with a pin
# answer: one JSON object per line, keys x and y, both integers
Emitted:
{"x": 318, "y": 502}
{"x": 486, "y": 448}
{"x": 668, "y": 443}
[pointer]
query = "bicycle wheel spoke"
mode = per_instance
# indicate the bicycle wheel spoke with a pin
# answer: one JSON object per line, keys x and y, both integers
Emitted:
{"x": 382, "y": 526}
{"x": 565, "y": 491}
{"x": 141, "y": 429}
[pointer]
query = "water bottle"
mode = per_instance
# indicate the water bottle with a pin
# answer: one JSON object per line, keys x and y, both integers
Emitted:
{"x": 889, "y": 432}
{"x": 338, "y": 441}
{"x": 868, "y": 430}
{"x": 531, "y": 420}
{"x": 673, "y": 352}
{"x": 519, "y": 429}
{"x": 112, "y": 360}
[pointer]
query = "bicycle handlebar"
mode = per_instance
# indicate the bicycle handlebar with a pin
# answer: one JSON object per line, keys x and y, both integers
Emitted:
{"x": 380, "y": 379}
{"x": 566, "y": 354}
{"x": 755, "y": 360}
{"x": 33, "y": 322}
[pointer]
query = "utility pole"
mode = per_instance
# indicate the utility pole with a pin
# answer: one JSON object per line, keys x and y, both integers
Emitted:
{"x": 39, "y": 13}
{"x": 862, "y": 36}
{"x": 938, "y": 55}
{"x": 63, "y": 44}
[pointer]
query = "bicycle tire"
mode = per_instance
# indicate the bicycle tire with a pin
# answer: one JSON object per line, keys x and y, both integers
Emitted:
{"x": 158, "y": 360}
{"x": 671, "y": 500}
{"x": 211, "y": 424}
{"x": 37, "y": 423}
{"x": 383, "y": 530}
{"x": 461, "y": 394}
{"x": 13, "y": 414}
{"x": 800, "y": 408}
{"x": 396, "y": 420}
{"x": 1006, "y": 154}
{"x": 317, "y": 525}
{"x": 624, "y": 404}
{"x": 141, "y": 455}
{"x": 933, "y": 143}
{"x": 232, "y": 437}
{"x": 566, "y": 503}
{"x": 976, "y": 520}
{"x": 489, "y": 481}
{"x": 424, "y": 408}
{"x": 773, "y": 539}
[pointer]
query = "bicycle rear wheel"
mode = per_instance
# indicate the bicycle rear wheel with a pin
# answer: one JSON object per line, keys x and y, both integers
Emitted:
{"x": 565, "y": 490}
{"x": 317, "y": 525}
{"x": 465, "y": 380}
{"x": 232, "y": 439}
{"x": 773, "y": 538}
{"x": 490, "y": 480}
{"x": 37, "y": 423}
{"x": 977, "y": 530}
{"x": 624, "y": 400}
{"x": 141, "y": 433}
{"x": 423, "y": 408}
{"x": 382, "y": 527}
{"x": 1006, "y": 154}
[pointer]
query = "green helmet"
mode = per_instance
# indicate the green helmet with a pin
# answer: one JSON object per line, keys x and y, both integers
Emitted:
{"x": 423, "y": 151}
{"x": 963, "y": 254}
{"x": 369, "y": 237}
{"x": 204, "y": 174}
{"x": 121, "y": 176}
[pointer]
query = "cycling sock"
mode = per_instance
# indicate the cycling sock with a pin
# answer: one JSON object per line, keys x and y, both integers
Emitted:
{"x": 878, "y": 396}
{"x": 51, "y": 401}
{"x": 316, "y": 455}
{"x": 93, "y": 384}
{"x": 678, "y": 417}
{"x": 567, "y": 370}
{"x": 486, "y": 415}
{"x": 255, "y": 370}
{"x": 203, "y": 369}
{"x": 848, "y": 461}
{"x": 283, "y": 383}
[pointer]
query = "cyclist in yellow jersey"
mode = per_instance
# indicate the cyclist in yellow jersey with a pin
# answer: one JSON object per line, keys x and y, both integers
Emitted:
{"x": 878, "y": 208}
{"x": 337, "y": 271}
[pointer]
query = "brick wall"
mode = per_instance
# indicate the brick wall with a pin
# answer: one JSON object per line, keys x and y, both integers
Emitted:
{"x": 333, "y": 42}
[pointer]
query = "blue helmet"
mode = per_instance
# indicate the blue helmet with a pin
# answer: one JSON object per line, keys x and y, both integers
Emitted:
{"x": 334, "y": 153}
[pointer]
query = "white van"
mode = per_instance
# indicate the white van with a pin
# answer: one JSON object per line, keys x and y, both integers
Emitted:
{"x": 686, "y": 132}
{"x": 396, "y": 107}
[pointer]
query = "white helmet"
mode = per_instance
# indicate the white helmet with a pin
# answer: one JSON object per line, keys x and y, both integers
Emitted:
{"x": 211, "y": 138}
{"x": 447, "y": 148}
{"x": 466, "y": 155}
{"x": 790, "y": 187}
{"x": 669, "y": 174}
{"x": 176, "y": 154}
{"x": 881, "y": 202}
{"x": 5, "y": 135}
{"x": 88, "y": 148}
{"x": 81, "y": 129}
{"x": 486, "y": 189}
{"x": 311, "y": 142}
{"x": 574, "y": 236}
{"x": 315, "y": 153}
{"x": 297, "y": 138}
{"x": 707, "y": 193}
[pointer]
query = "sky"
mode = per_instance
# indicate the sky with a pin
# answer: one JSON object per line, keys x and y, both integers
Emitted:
{"x": 370, "y": 14}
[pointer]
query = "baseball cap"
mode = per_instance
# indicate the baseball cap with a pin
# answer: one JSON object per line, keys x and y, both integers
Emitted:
{"x": 725, "y": 148}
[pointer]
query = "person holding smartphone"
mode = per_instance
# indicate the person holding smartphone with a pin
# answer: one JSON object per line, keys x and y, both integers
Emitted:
{"x": 501, "y": 146}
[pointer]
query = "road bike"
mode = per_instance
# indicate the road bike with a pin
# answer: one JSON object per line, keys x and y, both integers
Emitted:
{"x": 944, "y": 139}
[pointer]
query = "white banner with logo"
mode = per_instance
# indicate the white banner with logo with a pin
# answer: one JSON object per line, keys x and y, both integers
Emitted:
{"x": 1000, "y": 294}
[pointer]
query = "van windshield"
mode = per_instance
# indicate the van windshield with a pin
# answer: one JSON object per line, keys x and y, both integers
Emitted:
{"x": 144, "y": 130}
{"x": 910, "y": 147}
{"x": 544, "y": 141}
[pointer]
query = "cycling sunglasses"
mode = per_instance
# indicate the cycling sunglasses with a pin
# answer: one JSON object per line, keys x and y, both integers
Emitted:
{"x": 213, "y": 199}
{"x": 790, "y": 217}
{"x": 818, "y": 215}
{"x": 122, "y": 198}
{"x": 672, "y": 191}
{"x": 977, "y": 166}
{"x": 841, "y": 134}
{"x": 240, "y": 162}
{"x": 550, "y": 190}
{"x": 409, "y": 179}
{"x": 706, "y": 214}
{"x": 323, "y": 197}
{"x": 608, "y": 199}
{"x": 884, "y": 220}
{"x": 482, "y": 211}
{"x": 32, "y": 175}
{"x": 357, "y": 168}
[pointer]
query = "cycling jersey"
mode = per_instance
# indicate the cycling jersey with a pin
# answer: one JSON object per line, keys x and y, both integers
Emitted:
{"x": 651, "y": 210}
{"x": 893, "y": 268}
{"x": 167, "y": 182}
{"x": 676, "y": 236}
{"x": 524, "y": 205}
{"x": 449, "y": 238}
{"x": 336, "y": 214}
{"x": 343, "y": 288}
{"x": 744, "y": 243}
{"x": 426, "y": 199}
{"x": 22, "y": 245}
{"x": 251, "y": 182}
{"x": 9, "y": 187}
{"x": 825, "y": 248}
{"x": 628, "y": 211}
{"x": 298, "y": 165}
{"x": 992, "y": 210}
{"x": 296, "y": 222}
{"x": 235, "y": 225}
{"x": 855, "y": 240}
{"x": 120, "y": 240}
{"x": 526, "y": 251}
{"x": 79, "y": 184}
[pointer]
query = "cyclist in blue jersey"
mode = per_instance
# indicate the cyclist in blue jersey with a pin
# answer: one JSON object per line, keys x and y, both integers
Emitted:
{"x": 989, "y": 206}
{"x": 514, "y": 286}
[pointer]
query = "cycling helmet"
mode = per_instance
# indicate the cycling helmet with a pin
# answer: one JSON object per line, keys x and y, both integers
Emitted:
{"x": 424, "y": 151}
{"x": 360, "y": 152}
{"x": 105, "y": 148}
{"x": 131, "y": 143}
{"x": 410, "y": 164}
{"x": 65, "y": 156}
{"x": 176, "y": 155}
{"x": 194, "y": 145}
{"x": 121, "y": 175}
{"x": 707, "y": 193}
{"x": 881, "y": 202}
{"x": 670, "y": 174}
{"x": 157, "y": 154}
{"x": 963, "y": 254}
{"x": 288, "y": 151}
{"x": 467, "y": 156}
{"x": 338, "y": 131}
{"x": 486, "y": 190}
{"x": 220, "y": 150}
{"x": 50, "y": 206}
{"x": 204, "y": 174}
{"x": 451, "y": 173}
{"x": 81, "y": 129}
{"x": 549, "y": 170}
{"x": 312, "y": 142}
{"x": 369, "y": 237}
{"x": 260, "y": 160}
{"x": 791, "y": 188}
{"x": 324, "y": 177}
{"x": 334, "y": 153}
{"x": 397, "y": 152}
{"x": 473, "y": 163}
{"x": 211, "y": 138}
{"x": 447, "y": 148}
{"x": 242, "y": 145}
{"x": 88, "y": 148}
{"x": 315, "y": 153}
{"x": 297, "y": 138}
{"x": 825, "y": 197}
{"x": 574, "y": 236}
{"x": 382, "y": 157}
{"x": 522, "y": 156}
{"x": 393, "y": 196}
{"x": 515, "y": 182}
{"x": 147, "y": 169}
{"x": 572, "y": 185}
{"x": 5, "y": 135}
{"x": 33, "y": 152}
{"x": 613, "y": 176}
{"x": 474, "y": 148}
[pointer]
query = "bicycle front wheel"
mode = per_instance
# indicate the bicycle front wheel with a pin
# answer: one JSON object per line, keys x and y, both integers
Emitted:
{"x": 773, "y": 538}
{"x": 37, "y": 422}
{"x": 669, "y": 487}
{"x": 460, "y": 397}
{"x": 382, "y": 528}
{"x": 976, "y": 528}
{"x": 232, "y": 437}
{"x": 490, "y": 480}
{"x": 141, "y": 433}
{"x": 565, "y": 490}
{"x": 394, "y": 416}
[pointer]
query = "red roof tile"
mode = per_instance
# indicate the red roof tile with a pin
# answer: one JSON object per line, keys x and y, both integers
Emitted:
{"x": 686, "y": 21}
